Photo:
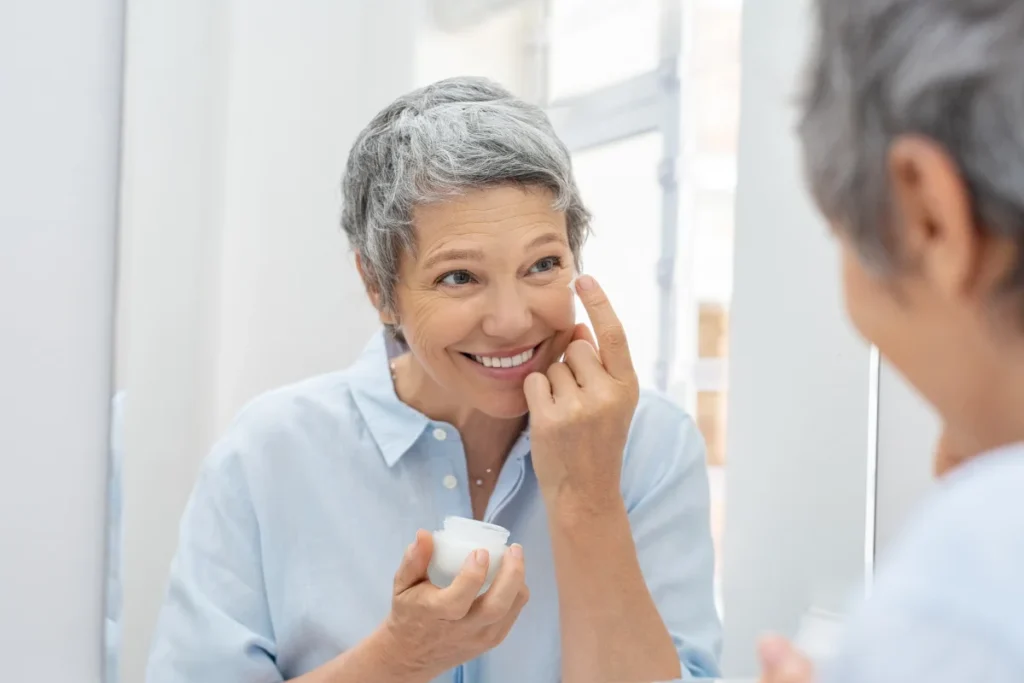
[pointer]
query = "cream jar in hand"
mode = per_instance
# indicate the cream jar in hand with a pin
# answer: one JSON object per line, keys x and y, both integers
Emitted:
{"x": 454, "y": 543}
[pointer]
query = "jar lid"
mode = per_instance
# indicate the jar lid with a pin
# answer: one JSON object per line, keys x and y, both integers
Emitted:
{"x": 475, "y": 530}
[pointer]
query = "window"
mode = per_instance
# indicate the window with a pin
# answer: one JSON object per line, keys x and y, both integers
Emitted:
{"x": 619, "y": 183}
{"x": 710, "y": 72}
{"x": 595, "y": 43}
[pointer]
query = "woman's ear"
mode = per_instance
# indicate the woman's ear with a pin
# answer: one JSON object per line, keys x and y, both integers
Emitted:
{"x": 373, "y": 292}
{"x": 934, "y": 205}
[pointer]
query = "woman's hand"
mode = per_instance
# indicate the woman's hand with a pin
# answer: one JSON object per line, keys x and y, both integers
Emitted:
{"x": 782, "y": 663}
{"x": 581, "y": 409}
{"x": 431, "y": 630}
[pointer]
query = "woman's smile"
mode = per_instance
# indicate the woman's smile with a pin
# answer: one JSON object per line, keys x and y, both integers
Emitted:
{"x": 512, "y": 365}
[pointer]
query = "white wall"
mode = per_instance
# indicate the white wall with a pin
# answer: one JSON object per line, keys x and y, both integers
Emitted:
{"x": 908, "y": 430}
{"x": 59, "y": 126}
{"x": 239, "y": 118}
{"x": 502, "y": 44}
{"x": 305, "y": 79}
{"x": 175, "y": 79}
{"x": 798, "y": 397}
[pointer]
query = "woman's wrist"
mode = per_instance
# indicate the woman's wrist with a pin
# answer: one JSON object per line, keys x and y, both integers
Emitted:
{"x": 390, "y": 658}
{"x": 378, "y": 657}
{"x": 568, "y": 509}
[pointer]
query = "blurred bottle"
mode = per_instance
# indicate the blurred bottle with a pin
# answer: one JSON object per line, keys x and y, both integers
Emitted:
{"x": 818, "y": 634}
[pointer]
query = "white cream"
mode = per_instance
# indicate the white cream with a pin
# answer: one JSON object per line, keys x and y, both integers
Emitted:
{"x": 460, "y": 537}
{"x": 575, "y": 294}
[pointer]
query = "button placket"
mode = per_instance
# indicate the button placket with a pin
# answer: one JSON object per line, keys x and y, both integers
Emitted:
{"x": 510, "y": 479}
{"x": 452, "y": 470}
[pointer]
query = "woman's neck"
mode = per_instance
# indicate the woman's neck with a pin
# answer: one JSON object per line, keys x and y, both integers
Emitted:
{"x": 988, "y": 411}
{"x": 487, "y": 439}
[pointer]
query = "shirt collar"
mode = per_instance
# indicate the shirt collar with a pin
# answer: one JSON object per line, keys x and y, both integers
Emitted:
{"x": 394, "y": 425}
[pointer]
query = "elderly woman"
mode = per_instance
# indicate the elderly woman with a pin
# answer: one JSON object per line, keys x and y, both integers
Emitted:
{"x": 482, "y": 398}
{"x": 913, "y": 133}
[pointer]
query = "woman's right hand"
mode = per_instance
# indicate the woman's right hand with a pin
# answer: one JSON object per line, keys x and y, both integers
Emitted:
{"x": 435, "y": 629}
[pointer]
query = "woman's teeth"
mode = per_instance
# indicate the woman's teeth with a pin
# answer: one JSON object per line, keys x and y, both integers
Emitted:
{"x": 506, "y": 362}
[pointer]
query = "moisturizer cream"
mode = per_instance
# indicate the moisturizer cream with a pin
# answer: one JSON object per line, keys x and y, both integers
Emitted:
{"x": 460, "y": 537}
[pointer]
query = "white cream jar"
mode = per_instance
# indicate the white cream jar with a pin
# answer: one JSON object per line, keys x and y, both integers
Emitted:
{"x": 453, "y": 544}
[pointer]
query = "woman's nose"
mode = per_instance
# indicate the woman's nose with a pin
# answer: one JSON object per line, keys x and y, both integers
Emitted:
{"x": 509, "y": 316}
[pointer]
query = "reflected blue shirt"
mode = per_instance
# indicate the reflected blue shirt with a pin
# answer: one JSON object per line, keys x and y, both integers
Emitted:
{"x": 301, "y": 513}
{"x": 948, "y": 604}
{"x": 115, "y": 541}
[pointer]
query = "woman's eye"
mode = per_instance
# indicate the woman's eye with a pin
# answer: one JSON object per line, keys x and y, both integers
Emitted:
{"x": 546, "y": 264}
{"x": 456, "y": 278}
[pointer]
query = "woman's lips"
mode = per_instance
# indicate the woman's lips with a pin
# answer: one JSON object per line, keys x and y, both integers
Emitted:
{"x": 508, "y": 372}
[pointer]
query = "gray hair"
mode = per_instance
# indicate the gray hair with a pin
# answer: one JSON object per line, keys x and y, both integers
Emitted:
{"x": 948, "y": 70}
{"x": 435, "y": 143}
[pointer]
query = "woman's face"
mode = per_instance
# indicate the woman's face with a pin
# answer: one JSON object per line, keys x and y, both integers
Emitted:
{"x": 484, "y": 301}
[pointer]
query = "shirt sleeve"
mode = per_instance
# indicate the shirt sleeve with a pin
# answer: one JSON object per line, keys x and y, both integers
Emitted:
{"x": 667, "y": 497}
{"x": 946, "y": 606}
{"x": 215, "y": 624}
{"x": 907, "y": 644}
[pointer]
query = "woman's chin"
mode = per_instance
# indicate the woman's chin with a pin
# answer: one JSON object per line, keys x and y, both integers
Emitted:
{"x": 502, "y": 406}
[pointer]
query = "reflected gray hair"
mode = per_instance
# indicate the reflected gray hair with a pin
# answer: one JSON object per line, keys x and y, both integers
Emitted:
{"x": 435, "y": 143}
{"x": 948, "y": 70}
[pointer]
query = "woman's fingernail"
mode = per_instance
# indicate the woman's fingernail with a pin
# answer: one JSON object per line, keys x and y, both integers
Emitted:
{"x": 585, "y": 282}
{"x": 517, "y": 551}
{"x": 480, "y": 557}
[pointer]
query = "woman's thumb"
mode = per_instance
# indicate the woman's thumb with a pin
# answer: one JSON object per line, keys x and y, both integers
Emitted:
{"x": 413, "y": 569}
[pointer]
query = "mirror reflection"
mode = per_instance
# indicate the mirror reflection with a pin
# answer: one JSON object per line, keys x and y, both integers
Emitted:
{"x": 316, "y": 429}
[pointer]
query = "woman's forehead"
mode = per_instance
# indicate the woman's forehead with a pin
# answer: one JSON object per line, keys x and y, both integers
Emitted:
{"x": 509, "y": 217}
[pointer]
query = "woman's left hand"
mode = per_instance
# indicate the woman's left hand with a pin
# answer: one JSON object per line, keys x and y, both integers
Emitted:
{"x": 581, "y": 409}
{"x": 783, "y": 663}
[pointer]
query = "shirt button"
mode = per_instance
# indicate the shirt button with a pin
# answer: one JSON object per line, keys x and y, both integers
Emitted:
{"x": 440, "y": 435}
{"x": 449, "y": 481}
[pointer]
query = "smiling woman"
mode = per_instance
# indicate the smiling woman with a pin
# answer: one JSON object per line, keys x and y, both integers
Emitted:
{"x": 483, "y": 397}
{"x": 485, "y": 300}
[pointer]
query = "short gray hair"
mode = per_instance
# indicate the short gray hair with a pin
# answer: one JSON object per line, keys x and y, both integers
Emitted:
{"x": 948, "y": 70}
{"x": 435, "y": 143}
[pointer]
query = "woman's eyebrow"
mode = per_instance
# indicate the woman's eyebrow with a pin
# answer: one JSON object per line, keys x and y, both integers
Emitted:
{"x": 453, "y": 255}
{"x": 547, "y": 238}
{"x": 477, "y": 255}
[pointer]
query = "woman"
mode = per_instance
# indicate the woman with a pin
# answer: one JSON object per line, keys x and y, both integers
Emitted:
{"x": 295, "y": 560}
{"x": 912, "y": 134}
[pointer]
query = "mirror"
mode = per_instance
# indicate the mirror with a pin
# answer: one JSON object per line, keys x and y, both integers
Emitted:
{"x": 264, "y": 417}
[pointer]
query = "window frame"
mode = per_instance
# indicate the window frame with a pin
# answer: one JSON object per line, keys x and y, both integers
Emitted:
{"x": 647, "y": 103}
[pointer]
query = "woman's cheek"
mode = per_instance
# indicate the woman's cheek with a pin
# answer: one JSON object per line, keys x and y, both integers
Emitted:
{"x": 557, "y": 305}
{"x": 570, "y": 310}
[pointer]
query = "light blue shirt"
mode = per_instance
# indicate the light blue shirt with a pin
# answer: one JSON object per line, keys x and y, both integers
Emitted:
{"x": 948, "y": 605}
{"x": 302, "y": 512}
